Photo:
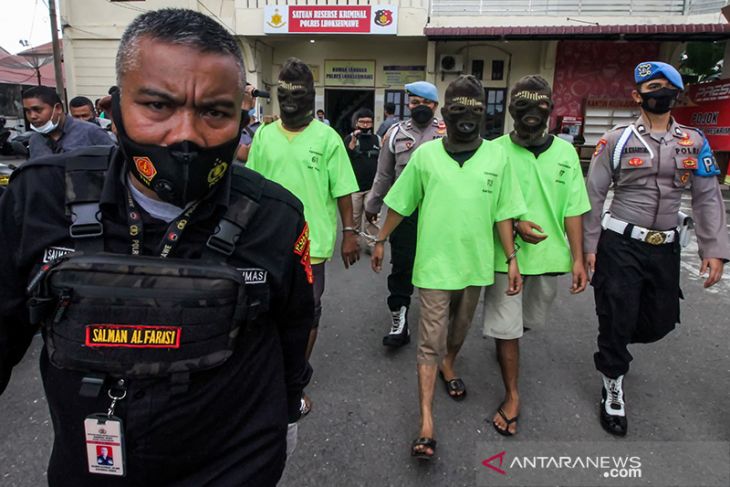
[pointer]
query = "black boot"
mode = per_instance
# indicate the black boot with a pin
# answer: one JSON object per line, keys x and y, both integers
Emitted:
{"x": 612, "y": 407}
{"x": 399, "y": 334}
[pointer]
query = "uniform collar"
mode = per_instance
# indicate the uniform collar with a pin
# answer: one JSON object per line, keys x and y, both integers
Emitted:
{"x": 436, "y": 123}
{"x": 675, "y": 129}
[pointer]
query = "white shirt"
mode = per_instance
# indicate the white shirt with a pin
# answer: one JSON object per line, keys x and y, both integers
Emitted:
{"x": 157, "y": 209}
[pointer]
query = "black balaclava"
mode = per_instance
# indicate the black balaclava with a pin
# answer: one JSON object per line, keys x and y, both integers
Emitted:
{"x": 463, "y": 114}
{"x": 296, "y": 94}
{"x": 179, "y": 173}
{"x": 530, "y": 106}
{"x": 660, "y": 101}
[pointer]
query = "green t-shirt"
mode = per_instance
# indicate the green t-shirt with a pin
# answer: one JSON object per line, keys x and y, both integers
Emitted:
{"x": 457, "y": 208}
{"x": 553, "y": 187}
{"x": 315, "y": 167}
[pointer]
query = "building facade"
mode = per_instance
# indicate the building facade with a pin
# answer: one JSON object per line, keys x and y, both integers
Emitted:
{"x": 362, "y": 52}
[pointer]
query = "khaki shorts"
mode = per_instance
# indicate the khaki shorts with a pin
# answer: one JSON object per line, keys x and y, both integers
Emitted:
{"x": 506, "y": 316}
{"x": 445, "y": 318}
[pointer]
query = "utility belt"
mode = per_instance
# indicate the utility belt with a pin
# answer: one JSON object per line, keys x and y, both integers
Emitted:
{"x": 647, "y": 235}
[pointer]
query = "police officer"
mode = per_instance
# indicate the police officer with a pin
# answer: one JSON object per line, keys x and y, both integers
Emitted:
{"x": 398, "y": 145}
{"x": 181, "y": 347}
{"x": 633, "y": 249}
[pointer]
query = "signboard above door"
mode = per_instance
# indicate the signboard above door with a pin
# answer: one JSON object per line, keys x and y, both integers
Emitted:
{"x": 331, "y": 19}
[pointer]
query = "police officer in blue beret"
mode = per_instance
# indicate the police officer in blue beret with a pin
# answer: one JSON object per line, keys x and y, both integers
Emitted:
{"x": 633, "y": 249}
{"x": 397, "y": 147}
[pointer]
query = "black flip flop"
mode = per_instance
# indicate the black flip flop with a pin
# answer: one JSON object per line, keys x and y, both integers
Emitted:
{"x": 425, "y": 442}
{"x": 506, "y": 431}
{"x": 455, "y": 388}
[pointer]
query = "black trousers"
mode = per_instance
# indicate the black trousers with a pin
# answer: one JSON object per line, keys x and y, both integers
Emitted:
{"x": 402, "y": 255}
{"x": 636, "y": 289}
{"x": 318, "y": 290}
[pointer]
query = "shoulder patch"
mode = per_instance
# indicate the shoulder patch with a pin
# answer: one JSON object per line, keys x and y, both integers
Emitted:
{"x": 600, "y": 147}
{"x": 301, "y": 248}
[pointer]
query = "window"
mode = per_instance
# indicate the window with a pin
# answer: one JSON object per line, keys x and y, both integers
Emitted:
{"x": 400, "y": 99}
{"x": 494, "y": 113}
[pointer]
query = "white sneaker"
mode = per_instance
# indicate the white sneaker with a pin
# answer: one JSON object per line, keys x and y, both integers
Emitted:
{"x": 613, "y": 403}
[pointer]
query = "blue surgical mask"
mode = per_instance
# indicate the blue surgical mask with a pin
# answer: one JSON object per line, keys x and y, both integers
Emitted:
{"x": 252, "y": 112}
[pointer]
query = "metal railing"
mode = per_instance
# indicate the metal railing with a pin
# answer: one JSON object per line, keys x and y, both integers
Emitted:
{"x": 573, "y": 7}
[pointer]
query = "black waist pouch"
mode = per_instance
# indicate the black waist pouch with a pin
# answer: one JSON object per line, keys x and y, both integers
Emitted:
{"x": 139, "y": 316}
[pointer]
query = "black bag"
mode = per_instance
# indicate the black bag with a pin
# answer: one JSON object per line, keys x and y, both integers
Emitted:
{"x": 178, "y": 315}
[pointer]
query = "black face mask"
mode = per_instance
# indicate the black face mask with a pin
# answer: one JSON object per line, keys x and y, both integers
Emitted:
{"x": 422, "y": 114}
{"x": 179, "y": 173}
{"x": 660, "y": 101}
{"x": 531, "y": 119}
{"x": 366, "y": 131}
{"x": 463, "y": 124}
{"x": 296, "y": 103}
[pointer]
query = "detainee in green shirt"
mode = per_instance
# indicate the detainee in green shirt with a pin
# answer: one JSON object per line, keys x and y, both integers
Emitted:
{"x": 461, "y": 186}
{"x": 309, "y": 159}
{"x": 550, "y": 234}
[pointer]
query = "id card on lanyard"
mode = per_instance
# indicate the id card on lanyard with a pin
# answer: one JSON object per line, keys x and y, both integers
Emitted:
{"x": 105, "y": 445}
{"x": 104, "y": 434}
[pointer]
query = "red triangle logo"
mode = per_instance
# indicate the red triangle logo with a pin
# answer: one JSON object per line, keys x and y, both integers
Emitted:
{"x": 488, "y": 462}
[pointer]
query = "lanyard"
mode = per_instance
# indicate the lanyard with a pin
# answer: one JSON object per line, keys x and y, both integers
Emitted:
{"x": 172, "y": 235}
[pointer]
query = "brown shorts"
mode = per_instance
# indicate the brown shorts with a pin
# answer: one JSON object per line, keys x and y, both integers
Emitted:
{"x": 445, "y": 320}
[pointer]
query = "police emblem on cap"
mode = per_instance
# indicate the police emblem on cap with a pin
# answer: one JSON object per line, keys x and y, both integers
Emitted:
{"x": 145, "y": 168}
{"x": 644, "y": 70}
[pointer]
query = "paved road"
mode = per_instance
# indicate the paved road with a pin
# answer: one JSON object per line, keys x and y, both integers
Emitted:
{"x": 365, "y": 407}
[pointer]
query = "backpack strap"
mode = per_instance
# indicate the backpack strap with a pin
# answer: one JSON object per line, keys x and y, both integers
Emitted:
{"x": 247, "y": 186}
{"x": 85, "y": 173}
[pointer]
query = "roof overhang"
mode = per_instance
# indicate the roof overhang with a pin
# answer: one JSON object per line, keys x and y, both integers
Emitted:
{"x": 642, "y": 32}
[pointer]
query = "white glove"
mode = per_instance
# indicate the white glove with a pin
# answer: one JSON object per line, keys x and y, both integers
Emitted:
{"x": 291, "y": 438}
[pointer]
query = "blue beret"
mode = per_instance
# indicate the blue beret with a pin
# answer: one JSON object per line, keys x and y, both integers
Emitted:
{"x": 654, "y": 69}
{"x": 424, "y": 89}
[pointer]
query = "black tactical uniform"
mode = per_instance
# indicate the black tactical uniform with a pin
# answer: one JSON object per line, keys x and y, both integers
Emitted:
{"x": 226, "y": 425}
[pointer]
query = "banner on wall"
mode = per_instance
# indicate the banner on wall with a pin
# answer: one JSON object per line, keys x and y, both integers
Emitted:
{"x": 707, "y": 107}
{"x": 334, "y": 19}
{"x": 352, "y": 73}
